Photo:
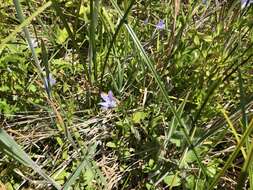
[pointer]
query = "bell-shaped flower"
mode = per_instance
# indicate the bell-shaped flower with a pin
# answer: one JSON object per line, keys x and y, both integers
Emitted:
{"x": 246, "y": 3}
{"x": 50, "y": 80}
{"x": 109, "y": 100}
{"x": 160, "y": 25}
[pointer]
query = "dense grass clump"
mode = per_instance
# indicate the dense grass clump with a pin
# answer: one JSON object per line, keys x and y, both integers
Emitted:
{"x": 126, "y": 94}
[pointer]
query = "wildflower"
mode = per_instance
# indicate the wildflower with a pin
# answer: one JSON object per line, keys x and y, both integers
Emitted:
{"x": 109, "y": 100}
{"x": 246, "y": 3}
{"x": 160, "y": 25}
{"x": 50, "y": 79}
{"x": 34, "y": 42}
{"x": 145, "y": 22}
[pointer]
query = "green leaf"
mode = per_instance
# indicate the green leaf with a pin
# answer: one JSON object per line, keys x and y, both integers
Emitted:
{"x": 196, "y": 40}
{"x": 32, "y": 88}
{"x": 193, "y": 183}
{"x": 61, "y": 35}
{"x": 208, "y": 39}
{"x": 111, "y": 145}
{"x": 175, "y": 141}
{"x": 138, "y": 116}
{"x": 8, "y": 186}
{"x": 60, "y": 177}
{"x": 190, "y": 157}
{"x": 89, "y": 176}
{"x": 172, "y": 180}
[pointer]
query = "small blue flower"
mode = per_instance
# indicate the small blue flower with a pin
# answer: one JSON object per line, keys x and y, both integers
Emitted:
{"x": 246, "y": 3}
{"x": 109, "y": 100}
{"x": 160, "y": 25}
{"x": 52, "y": 81}
{"x": 145, "y": 21}
{"x": 34, "y": 42}
{"x": 204, "y": 2}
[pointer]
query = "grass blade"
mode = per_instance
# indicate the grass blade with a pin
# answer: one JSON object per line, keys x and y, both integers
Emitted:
{"x": 75, "y": 175}
{"x": 31, "y": 46}
{"x": 233, "y": 155}
{"x": 242, "y": 100}
{"x": 230, "y": 124}
{"x": 92, "y": 36}
{"x": 85, "y": 164}
{"x": 158, "y": 80}
{"x": 44, "y": 55}
{"x": 25, "y": 23}
{"x": 12, "y": 149}
{"x": 174, "y": 122}
{"x": 57, "y": 7}
{"x": 246, "y": 169}
{"x": 123, "y": 19}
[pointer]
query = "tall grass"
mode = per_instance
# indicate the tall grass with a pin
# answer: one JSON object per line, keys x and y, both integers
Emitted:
{"x": 182, "y": 118}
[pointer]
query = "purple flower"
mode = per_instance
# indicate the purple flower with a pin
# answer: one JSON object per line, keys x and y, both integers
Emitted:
{"x": 51, "y": 81}
{"x": 160, "y": 25}
{"x": 246, "y": 3}
{"x": 34, "y": 42}
{"x": 109, "y": 100}
{"x": 145, "y": 21}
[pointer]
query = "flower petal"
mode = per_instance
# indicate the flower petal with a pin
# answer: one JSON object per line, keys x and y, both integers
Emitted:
{"x": 52, "y": 81}
{"x": 109, "y": 100}
{"x": 112, "y": 104}
{"x": 110, "y": 95}
{"x": 105, "y": 96}
{"x": 245, "y": 3}
{"x": 160, "y": 25}
{"x": 104, "y": 105}
{"x": 145, "y": 21}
